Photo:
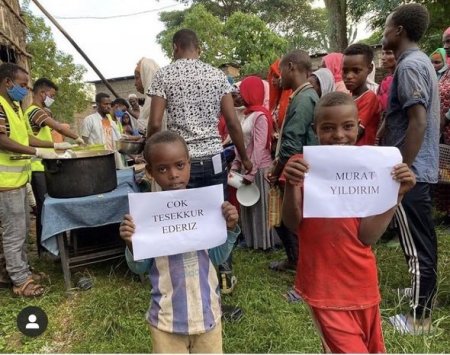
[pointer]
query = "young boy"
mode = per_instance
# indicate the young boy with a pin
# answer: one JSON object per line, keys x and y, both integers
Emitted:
{"x": 296, "y": 132}
{"x": 357, "y": 65}
{"x": 184, "y": 313}
{"x": 338, "y": 273}
{"x": 412, "y": 125}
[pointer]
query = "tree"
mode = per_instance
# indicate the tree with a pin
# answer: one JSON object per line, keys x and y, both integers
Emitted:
{"x": 296, "y": 20}
{"x": 255, "y": 45}
{"x": 377, "y": 11}
{"x": 243, "y": 38}
{"x": 337, "y": 19}
{"x": 49, "y": 62}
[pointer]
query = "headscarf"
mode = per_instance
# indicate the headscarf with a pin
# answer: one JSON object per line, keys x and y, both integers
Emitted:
{"x": 443, "y": 54}
{"x": 334, "y": 61}
{"x": 326, "y": 80}
{"x": 252, "y": 92}
{"x": 370, "y": 82}
{"x": 277, "y": 96}
{"x": 148, "y": 68}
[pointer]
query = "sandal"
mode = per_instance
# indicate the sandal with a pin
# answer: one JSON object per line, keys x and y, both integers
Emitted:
{"x": 293, "y": 297}
{"x": 282, "y": 265}
{"x": 39, "y": 276}
{"x": 28, "y": 289}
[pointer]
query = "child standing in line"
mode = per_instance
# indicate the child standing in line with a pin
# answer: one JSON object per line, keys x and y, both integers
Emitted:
{"x": 357, "y": 66}
{"x": 184, "y": 313}
{"x": 296, "y": 132}
{"x": 338, "y": 273}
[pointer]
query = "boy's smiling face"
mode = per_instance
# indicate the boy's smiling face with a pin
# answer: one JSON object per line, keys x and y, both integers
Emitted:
{"x": 170, "y": 165}
{"x": 355, "y": 70}
{"x": 337, "y": 125}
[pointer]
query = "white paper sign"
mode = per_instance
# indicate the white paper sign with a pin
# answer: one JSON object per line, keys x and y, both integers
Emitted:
{"x": 349, "y": 181}
{"x": 174, "y": 222}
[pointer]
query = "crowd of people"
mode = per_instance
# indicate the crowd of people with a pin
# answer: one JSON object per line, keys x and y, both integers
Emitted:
{"x": 195, "y": 116}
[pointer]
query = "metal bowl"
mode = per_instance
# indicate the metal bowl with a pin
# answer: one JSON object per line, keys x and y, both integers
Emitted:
{"x": 130, "y": 147}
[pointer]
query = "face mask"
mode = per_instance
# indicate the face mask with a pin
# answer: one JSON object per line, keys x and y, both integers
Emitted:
{"x": 48, "y": 101}
{"x": 119, "y": 113}
{"x": 17, "y": 93}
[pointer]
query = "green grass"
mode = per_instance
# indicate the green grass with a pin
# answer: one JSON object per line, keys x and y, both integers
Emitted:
{"x": 109, "y": 318}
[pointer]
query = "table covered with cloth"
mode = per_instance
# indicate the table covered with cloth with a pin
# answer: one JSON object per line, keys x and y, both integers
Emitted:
{"x": 63, "y": 214}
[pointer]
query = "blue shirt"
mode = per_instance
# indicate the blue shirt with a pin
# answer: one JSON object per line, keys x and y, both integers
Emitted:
{"x": 415, "y": 82}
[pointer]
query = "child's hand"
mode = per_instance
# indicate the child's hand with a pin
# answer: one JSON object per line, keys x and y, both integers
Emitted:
{"x": 295, "y": 171}
{"x": 230, "y": 214}
{"x": 404, "y": 175}
{"x": 126, "y": 230}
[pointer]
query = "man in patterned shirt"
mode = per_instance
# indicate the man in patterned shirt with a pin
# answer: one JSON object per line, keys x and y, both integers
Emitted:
{"x": 194, "y": 94}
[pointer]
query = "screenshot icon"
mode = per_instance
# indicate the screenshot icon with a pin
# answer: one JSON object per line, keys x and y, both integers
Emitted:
{"x": 32, "y": 321}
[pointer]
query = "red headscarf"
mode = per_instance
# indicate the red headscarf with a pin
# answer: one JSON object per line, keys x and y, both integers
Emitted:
{"x": 252, "y": 92}
{"x": 333, "y": 61}
{"x": 277, "y": 96}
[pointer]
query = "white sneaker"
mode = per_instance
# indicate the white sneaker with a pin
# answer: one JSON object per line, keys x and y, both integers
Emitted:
{"x": 404, "y": 292}
{"x": 406, "y": 325}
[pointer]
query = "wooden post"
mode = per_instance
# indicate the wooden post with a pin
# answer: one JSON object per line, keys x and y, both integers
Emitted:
{"x": 52, "y": 19}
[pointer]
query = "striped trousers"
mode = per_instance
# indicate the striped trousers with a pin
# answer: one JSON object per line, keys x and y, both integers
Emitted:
{"x": 419, "y": 244}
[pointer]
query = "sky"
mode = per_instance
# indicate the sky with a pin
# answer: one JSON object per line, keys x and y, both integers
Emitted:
{"x": 114, "y": 45}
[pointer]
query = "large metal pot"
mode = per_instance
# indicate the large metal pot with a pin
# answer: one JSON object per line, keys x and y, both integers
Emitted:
{"x": 89, "y": 173}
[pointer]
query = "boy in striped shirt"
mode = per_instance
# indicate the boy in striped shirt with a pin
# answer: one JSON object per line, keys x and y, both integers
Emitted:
{"x": 184, "y": 314}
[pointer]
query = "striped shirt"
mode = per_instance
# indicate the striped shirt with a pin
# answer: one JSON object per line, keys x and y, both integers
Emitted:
{"x": 37, "y": 118}
{"x": 4, "y": 124}
{"x": 185, "y": 289}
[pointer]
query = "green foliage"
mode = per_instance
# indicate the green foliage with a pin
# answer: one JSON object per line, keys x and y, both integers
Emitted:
{"x": 377, "y": 11}
{"x": 51, "y": 63}
{"x": 243, "y": 38}
{"x": 255, "y": 46}
{"x": 300, "y": 25}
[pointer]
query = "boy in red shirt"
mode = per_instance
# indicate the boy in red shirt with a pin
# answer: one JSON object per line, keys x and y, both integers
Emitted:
{"x": 337, "y": 273}
{"x": 356, "y": 67}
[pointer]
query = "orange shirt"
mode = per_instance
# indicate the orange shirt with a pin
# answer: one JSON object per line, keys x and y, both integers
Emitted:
{"x": 369, "y": 112}
{"x": 107, "y": 133}
{"x": 335, "y": 270}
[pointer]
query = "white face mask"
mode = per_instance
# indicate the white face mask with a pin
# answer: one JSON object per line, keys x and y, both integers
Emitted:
{"x": 48, "y": 101}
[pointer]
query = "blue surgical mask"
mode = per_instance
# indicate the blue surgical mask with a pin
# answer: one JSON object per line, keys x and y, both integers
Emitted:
{"x": 119, "y": 113}
{"x": 17, "y": 92}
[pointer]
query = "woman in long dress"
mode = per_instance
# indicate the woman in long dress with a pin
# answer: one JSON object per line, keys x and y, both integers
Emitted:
{"x": 257, "y": 130}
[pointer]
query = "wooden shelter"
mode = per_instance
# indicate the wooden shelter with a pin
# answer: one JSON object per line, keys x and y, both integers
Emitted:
{"x": 12, "y": 34}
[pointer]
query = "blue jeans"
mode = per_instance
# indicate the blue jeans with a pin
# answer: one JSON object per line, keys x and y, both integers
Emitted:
{"x": 202, "y": 174}
{"x": 13, "y": 214}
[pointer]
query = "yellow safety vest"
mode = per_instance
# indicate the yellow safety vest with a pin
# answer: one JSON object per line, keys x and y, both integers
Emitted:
{"x": 14, "y": 173}
{"x": 119, "y": 125}
{"x": 44, "y": 134}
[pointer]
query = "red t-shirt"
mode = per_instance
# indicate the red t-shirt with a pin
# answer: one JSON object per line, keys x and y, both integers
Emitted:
{"x": 369, "y": 112}
{"x": 335, "y": 270}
